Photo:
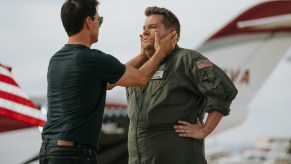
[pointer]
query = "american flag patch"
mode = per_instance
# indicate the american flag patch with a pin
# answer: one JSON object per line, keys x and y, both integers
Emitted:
{"x": 204, "y": 63}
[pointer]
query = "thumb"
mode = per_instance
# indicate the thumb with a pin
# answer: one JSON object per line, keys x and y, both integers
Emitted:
{"x": 157, "y": 36}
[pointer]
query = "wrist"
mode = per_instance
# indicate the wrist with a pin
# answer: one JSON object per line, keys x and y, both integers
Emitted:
{"x": 143, "y": 55}
{"x": 205, "y": 131}
{"x": 161, "y": 54}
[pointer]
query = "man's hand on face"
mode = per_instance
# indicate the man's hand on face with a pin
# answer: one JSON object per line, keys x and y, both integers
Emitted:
{"x": 142, "y": 50}
{"x": 167, "y": 44}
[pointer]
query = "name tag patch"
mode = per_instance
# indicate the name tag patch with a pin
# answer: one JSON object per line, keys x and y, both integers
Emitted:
{"x": 158, "y": 75}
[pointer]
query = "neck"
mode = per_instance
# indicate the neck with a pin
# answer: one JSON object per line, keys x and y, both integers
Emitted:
{"x": 150, "y": 53}
{"x": 80, "y": 38}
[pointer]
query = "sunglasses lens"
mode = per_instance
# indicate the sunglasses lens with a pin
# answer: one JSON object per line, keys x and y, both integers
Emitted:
{"x": 100, "y": 20}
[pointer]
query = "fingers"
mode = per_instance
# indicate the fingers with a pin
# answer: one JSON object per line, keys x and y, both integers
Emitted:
{"x": 174, "y": 37}
{"x": 183, "y": 131}
{"x": 182, "y": 128}
{"x": 184, "y": 123}
{"x": 173, "y": 34}
{"x": 185, "y": 135}
{"x": 140, "y": 38}
{"x": 157, "y": 37}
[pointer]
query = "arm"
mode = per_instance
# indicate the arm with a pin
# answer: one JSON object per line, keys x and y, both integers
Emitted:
{"x": 219, "y": 92}
{"x": 140, "y": 59}
{"x": 141, "y": 76}
{"x": 136, "y": 63}
{"x": 198, "y": 131}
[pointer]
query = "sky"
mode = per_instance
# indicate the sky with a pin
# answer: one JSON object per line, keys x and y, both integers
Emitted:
{"x": 31, "y": 32}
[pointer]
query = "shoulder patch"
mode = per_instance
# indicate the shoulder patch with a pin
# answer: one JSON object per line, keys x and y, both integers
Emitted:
{"x": 204, "y": 63}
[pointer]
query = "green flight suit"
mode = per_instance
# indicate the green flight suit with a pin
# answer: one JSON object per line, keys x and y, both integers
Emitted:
{"x": 185, "y": 86}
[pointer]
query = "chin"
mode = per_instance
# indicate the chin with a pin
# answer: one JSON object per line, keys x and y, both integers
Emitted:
{"x": 95, "y": 41}
{"x": 148, "y": 46}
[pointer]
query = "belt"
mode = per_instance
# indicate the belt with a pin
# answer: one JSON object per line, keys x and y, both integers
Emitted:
{"x": 65, "y": 143}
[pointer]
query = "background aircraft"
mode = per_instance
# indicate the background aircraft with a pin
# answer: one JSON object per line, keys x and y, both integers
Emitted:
{"x": 41, "y": 53}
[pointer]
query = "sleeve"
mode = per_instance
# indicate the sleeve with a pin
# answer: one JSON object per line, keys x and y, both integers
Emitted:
{"x": 103, "y": 66}
{"x": 113, "y": 69}
{"x": 212, "y": 83}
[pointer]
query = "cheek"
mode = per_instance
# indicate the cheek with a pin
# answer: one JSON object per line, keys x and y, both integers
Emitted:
{"x": 152, "y": 31}
{"x": 163, "y": 34}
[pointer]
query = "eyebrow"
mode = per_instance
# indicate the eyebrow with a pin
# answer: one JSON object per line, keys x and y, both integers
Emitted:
{"x": 153, "y": 24}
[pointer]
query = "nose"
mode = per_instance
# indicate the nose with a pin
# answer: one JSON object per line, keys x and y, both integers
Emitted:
{"x": 145, "y": 31}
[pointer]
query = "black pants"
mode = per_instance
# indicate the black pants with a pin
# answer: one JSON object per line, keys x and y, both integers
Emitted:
{"x": 51, "y": 153}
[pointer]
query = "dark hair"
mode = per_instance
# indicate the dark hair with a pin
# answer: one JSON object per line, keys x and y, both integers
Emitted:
{"x": 74, "y": 12}
{"x": 170, "y": 19}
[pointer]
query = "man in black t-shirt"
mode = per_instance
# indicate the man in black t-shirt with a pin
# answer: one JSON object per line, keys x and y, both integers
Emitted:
{"x": 78, "y": 77}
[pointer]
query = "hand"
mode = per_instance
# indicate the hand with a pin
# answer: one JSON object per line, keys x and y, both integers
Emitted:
{"x": 142, "y": 51}
{"x": 186, "y": 129}
{"x": 167, "y": 44}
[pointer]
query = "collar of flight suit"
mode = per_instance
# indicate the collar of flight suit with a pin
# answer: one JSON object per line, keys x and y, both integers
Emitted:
{"x": 170, "y": 55}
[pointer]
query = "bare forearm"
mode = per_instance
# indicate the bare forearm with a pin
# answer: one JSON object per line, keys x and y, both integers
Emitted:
{"x": 212, "y": 121}
{"x": 139, "y": 74}
{"x": 137, "y": 61}
{"x": 148, "y": 69}
{"x": 142, "y": 75}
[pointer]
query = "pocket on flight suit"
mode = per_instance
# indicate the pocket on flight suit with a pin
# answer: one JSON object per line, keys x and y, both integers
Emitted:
{"x": 157, "y": 85}
{"x": 157, "y": 92}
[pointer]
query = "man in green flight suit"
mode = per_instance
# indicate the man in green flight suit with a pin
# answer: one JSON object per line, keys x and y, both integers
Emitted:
{"x": 165, "y": 115}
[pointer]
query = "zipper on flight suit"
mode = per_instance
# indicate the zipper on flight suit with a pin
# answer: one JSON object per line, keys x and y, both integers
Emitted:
{"x": 140, "y": 99}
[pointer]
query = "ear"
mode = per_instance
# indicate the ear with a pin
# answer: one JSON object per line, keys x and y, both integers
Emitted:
{"x": 88, "y": 22}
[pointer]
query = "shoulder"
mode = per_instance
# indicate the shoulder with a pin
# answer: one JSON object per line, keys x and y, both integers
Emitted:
{"x": 94, "y": 54}
{"x": 188, "y": 54}
{"x": 191, "y": 57}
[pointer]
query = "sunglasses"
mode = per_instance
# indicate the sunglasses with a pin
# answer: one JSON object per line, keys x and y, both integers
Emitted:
{"x": 100, "y": 20}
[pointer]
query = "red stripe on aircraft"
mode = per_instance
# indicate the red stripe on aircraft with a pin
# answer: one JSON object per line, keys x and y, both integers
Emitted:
{"x": 21, "y": 117}
{"x": 17, "y": 99}
{"x": 6, "y": 67}
{"x": 115, "y": 106}
{"x": 8, "y": 124}
{"x": 263, "y": 10}
{"x": 7, "y": 80}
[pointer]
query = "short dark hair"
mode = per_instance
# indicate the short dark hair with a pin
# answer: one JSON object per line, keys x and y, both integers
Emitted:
{"x": 74, "y": 12}
{"x": 170, "y": 19}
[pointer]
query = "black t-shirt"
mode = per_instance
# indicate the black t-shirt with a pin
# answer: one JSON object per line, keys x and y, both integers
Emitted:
{"x": 77, "y": 77}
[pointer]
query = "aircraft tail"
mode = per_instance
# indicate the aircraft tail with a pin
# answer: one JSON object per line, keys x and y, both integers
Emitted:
{"x": 17, "y": 111}
{"x": 249, "y": 48}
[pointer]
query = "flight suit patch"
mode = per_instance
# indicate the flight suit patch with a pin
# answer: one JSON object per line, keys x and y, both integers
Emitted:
{"x": 158, "y": 75}
{"x": 204, "y": 63}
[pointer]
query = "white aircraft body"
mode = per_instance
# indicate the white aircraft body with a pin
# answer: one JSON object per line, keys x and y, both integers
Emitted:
{"x": 248, "y": 48}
